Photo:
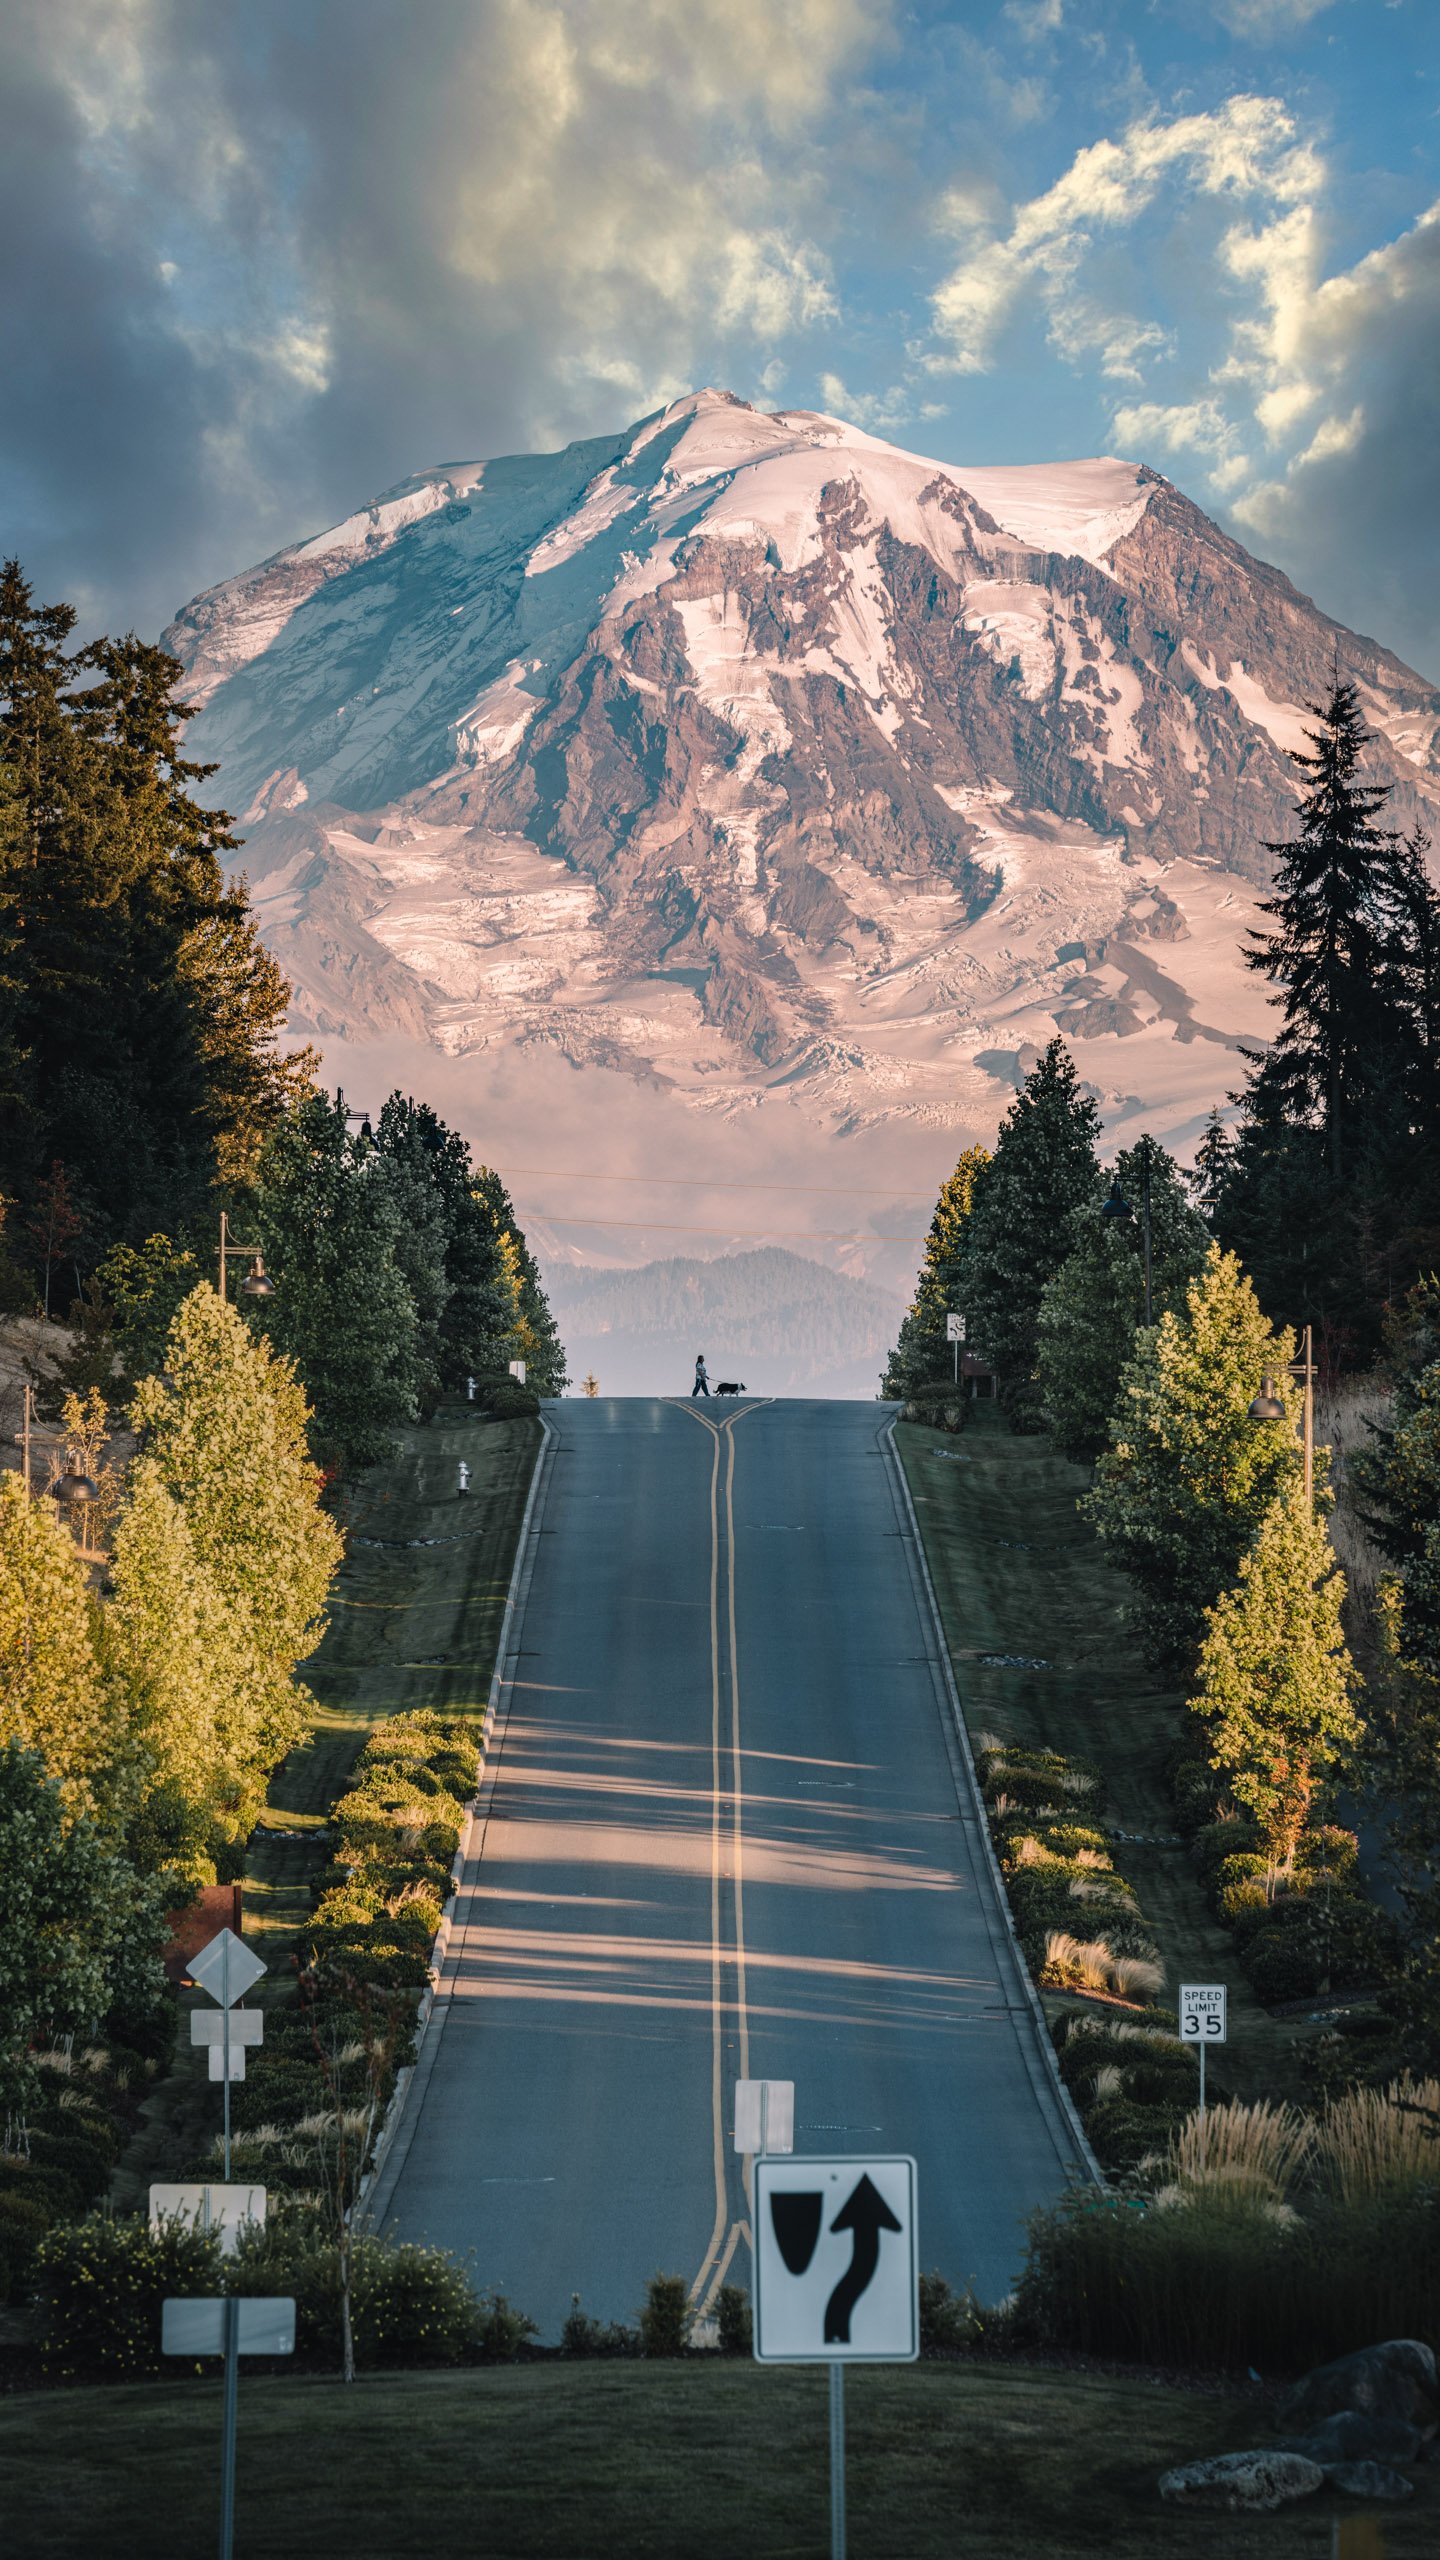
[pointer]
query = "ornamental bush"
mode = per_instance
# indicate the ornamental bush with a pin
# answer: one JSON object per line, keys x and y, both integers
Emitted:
{"x": 99, "y": 2285}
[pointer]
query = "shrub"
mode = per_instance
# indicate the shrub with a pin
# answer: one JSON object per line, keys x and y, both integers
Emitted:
{"x": 1230, "y": 2282}
{"x": 408, "y": 2305}
{"x": 501, "y": 2332}
{"x": 584, "y": 2336}
{"x": 100, "y": 2283}
{"x": 87, "y": 2164}
{"x": 665, "y": 2319}
{"x": 23, "y": 2221}
{"x": 734, "y": 2322}
{"x": 1256, "y": 2151}
{"x": 507, "y": 1400}
{"x": 1370, "y": 2142}
{"x": 950, "y": 2323}
{"x": 1122, "y": 2133}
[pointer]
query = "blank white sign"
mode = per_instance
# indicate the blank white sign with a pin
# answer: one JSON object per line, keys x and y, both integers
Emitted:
{"x": 196, "y": 2326}
{"x": 247, "y": 2026}
{"x": 226, "y": 2209}
{"x": 765, "y": 2108}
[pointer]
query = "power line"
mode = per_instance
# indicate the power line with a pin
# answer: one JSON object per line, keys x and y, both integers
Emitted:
{"x": 705, "y": 1182}
{"x": 761, "y": 1235}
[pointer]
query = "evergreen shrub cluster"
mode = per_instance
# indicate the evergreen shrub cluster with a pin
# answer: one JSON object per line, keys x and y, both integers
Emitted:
{"x": 75, "y": 2127}
{"x": 1297, "y": 1933}
{"x": 399, "y": 1826}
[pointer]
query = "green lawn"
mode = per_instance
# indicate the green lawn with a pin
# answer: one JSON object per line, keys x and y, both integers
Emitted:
{"x": 410, "y": 1626}
{"x": 697, "y": 2462}
{"x": 1017, "y": 1571}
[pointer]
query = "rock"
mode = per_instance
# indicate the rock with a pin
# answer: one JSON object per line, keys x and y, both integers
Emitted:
{"x": 1396, "y": 2380}
{"x": 1243, "y": 2483}
{"x": 1369, "y": 2480}
{"x": 1358, "y": 2435}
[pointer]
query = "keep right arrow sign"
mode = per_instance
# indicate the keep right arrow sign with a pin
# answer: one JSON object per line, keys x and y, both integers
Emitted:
{"x": 836, "y": 2261}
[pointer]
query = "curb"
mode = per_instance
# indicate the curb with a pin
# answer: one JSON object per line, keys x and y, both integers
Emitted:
{"x": 1066, "y": 2129}
{"x": 377, "y": 2187}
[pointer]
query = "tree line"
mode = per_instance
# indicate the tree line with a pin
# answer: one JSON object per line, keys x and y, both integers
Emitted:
{"x": 1322, "y": 1207}
{"x": 143, "y": 1092}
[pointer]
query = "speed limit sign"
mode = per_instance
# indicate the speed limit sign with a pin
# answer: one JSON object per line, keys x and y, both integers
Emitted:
{"x": 1202, "y": 2012}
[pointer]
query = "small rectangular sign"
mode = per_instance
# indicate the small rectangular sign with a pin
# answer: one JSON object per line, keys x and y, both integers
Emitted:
{"x": 247, "y": 2026}
{"x": 836, "y": 2261}
{"x": 226, "y": 2209}
{"x": 954, "y": 1328}
{"x": 218, "y": 2057}
{"x": 195, "y": 2325}
{"x": 517, "y": 1370}
{"x": 1202, "y": 2012}
{"x": 764, "y": 2115}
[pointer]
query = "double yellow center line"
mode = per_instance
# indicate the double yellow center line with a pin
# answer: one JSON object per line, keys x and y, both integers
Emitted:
{"x": 727, "y": 1831}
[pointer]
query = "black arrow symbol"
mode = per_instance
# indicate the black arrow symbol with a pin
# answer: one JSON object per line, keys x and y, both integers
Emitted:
{"x": 867, "y": 2214}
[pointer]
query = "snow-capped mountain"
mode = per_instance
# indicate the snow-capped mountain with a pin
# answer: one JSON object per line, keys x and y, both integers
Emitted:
{"x": 767, "y": 766}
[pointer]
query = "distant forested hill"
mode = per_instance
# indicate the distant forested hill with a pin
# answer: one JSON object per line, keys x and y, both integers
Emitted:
{"x": 783, "y": 1324}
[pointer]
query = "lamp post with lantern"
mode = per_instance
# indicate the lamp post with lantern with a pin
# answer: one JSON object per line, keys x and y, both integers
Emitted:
{"x": 1267, "y": 1406}
{"x": 257, "y": 1282}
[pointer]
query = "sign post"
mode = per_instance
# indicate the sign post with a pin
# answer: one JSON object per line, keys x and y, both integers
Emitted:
{"x": 1202, "y": 2021}
{"x": 232, "y": 2325}
{"x": 955, "y": 1332}
{"x": 226, "y": 1968}
{"x": 836, "y": 2277}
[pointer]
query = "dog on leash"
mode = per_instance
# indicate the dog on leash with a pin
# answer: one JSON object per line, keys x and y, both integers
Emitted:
{"x": 730, "y": 1387}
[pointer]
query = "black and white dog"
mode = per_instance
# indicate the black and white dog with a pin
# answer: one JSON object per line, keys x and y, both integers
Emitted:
{"x": 730, "y": 1387}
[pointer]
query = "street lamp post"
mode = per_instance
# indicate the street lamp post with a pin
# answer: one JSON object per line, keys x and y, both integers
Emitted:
{"x": 1118, "y": 1208}
{"x": 257, "y": 1282}
{"x": 1267, "y": 1406}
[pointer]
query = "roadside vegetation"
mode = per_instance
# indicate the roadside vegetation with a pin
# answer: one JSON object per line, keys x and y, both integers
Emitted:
{"x": 1178, "y": 1696}
{"x": 208, "y": 1432}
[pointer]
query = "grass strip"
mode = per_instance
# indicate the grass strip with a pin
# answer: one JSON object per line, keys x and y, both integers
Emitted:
{"x": 710, "y": 2459}
{"x": 1019, "y": 1574}
{"x": 412, "y": 1624}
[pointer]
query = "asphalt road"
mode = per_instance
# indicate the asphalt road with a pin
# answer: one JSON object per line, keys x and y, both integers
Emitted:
{"x": 727, "y": 1832}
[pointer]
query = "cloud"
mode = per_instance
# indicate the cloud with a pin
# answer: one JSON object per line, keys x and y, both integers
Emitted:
{"x": 1249, "y": 147}
{"x": 1265, "y": 20}
{"x": 275, "y": 259}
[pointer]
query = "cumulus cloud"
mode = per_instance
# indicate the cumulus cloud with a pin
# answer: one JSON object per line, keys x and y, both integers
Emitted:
{"x": 1301, "y": 404}
{"x": 277, "y": 258}
{"x": 1263, "y": 20}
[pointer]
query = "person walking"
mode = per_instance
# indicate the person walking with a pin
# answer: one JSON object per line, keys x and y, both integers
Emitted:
{"x": 462, "y": 1474}
{"x": 702, "y": 1380}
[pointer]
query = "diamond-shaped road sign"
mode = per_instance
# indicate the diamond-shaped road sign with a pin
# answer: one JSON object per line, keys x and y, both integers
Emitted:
{"x": 195, "y": 2325}
{"x": 225, "y": 1981}
{"x": 836, "y": 2261}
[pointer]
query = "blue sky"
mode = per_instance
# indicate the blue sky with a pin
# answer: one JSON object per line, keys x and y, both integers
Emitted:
{"x": 273, "y": 259}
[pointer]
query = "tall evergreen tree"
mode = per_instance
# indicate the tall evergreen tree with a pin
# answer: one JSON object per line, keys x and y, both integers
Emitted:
{"x": 1180, "y": 1493}
{"x": 922, "y": 1353}
{"x": 531, "y": 1334}
{"x": 465, "y": 1297}
{"x": 1275, "y": 1680}
{"x": 140, "y": 1010}
{"x": 1213, "y": 1159}
{"x": 1340, "y": 1044}
{"x": 1090, "y": 1310}
{"x": 1020, "y": 1227}
{"x": 331, "y": 1221}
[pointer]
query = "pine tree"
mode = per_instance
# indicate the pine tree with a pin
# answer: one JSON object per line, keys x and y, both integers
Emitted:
{"x": 1339, "y": 1041}
{"x": 225, "y": 1425}
{"x": 1020, "y": 1227}
{"x": 465, "y": 1299}
{"x": 532, "y": 1334}
{"x": 922, "y": 1354}
{"x": 52, "y": 1698}
{"x": 330, "y": 1221}
{"x": 1214, "y": 1158}
{"x": 1181, "y": 1492}
{"x": 1274, "y": 1680}
{"x": 1090, "y": 1310}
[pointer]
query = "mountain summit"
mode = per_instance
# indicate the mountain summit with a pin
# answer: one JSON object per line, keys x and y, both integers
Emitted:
{"x": 762, "y": 763}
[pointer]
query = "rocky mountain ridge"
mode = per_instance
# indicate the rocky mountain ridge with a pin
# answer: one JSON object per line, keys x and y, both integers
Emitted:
{"x": 768, "y": 767}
